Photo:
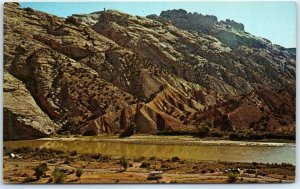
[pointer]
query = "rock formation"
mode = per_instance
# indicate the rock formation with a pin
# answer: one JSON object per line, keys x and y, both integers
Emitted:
{"x": 100, "y": 72}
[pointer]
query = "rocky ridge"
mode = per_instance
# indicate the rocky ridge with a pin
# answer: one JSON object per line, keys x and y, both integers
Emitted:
{"x": 101, "y": 72}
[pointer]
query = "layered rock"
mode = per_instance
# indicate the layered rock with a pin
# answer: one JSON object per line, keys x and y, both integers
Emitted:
{"x": 101, "y": 72}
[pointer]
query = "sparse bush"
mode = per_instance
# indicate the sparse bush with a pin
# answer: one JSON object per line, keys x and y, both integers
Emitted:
{"x": 129, "y": 131}
{"x": 232, "y": 177}
{"x": 145, "y": 164}
{"x": 79, "y": 172}
{"x": 90, "y": 133}
{"x": 203, "y": 171}
{"x": 73, "y": 153}
{"x": 59, "y": 175}
{"x": 124, "y": 163}
{"x": 40, "y": 170}
{"x": 175, "y": 159}
{"x": 67, "y": 159}
{"x": 203, "y": 131}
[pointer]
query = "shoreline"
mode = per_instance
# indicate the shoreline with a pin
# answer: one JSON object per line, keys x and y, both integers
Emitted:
{"x": 168, "y": 140}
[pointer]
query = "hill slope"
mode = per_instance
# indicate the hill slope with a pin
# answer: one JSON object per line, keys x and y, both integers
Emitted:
{"x": 102, "y": 72}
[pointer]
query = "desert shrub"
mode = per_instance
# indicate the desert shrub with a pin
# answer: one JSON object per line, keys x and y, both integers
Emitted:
{"x": 175, "y": 159}
{"x": 216, "y": 134}
{"x": 145, "y": 164}
{"x": 203, "y": 131}
{"x": 96, "y": 156}
{"x": 124, "y": 163}
{"x": 129, "y": 131}
{"x": 59, "y": 175}
{"x": 203, "y": 171}
{"x": 209, "y": 124}
{"x": 40, "y": 170}
{"x": 90, "y": 133}
{"x": 79, "y": 172}
{"x": 235, "y": 136}
{"x": 232, "y": 177}
{"x": 73, "y": 153}
{"x": 175, "y": 132}
{"x": 67, "y": 159}
{"x": 152, "y": 158}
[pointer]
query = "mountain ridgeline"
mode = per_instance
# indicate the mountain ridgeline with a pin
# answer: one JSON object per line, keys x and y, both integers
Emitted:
{"x": 106, "y": 71}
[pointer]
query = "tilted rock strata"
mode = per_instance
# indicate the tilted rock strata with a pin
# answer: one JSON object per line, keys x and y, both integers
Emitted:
{"x": 101, "y": 72}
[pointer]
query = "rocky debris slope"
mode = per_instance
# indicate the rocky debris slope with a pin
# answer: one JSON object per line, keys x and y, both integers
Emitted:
{"x": 102, "y": 72}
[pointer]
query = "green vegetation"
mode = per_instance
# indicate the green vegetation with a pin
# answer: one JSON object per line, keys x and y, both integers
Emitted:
{"x": 175, "y": 159}
{"x": 145, "y": 164}
{"x": 79, "y": 172}
{"x": 124, "y": 163}
{"x": 203, "y": 131}
{"x": 40, "y": 170}
{"x": 59, "y": 175}
{"x": 232, "y": 177}
{"x": 260, "y": 136}
{"x": 129, "y": 131}
{"x": 90, "y": 133}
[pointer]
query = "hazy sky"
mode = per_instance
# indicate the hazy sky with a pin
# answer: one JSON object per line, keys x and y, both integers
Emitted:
{"x": 275, "y": 21}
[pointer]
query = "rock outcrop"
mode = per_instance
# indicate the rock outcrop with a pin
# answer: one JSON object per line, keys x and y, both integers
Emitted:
{"x": 101, "y": 72}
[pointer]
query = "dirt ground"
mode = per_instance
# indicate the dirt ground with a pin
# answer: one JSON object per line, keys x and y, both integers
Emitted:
{"x": 99, "y": 168}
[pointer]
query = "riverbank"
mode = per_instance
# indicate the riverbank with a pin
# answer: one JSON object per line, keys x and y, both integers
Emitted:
{"x": 185, "y": 147}
{"x": 98, "y": 168}
{"x": 170, "y": 140}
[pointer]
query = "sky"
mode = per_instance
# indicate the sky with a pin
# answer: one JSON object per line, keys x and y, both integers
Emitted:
{"x": 272, "y": 20}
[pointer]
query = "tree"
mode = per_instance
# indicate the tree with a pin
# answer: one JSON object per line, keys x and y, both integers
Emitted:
{"x": 129, "y": 131}
{"x": 203, "y": 131}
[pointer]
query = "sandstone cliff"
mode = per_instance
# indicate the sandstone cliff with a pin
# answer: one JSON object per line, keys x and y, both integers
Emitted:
{"x": 100, "y": 72}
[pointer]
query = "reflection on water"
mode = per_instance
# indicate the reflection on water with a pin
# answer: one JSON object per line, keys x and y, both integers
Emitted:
{"x": 264, "y": 154}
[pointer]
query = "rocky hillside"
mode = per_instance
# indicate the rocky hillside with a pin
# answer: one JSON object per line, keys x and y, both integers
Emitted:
{"x": 106, "y": 71}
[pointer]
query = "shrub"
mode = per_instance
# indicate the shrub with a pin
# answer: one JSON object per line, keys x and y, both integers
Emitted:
{"x": 175, "y": 159}
{"x": 203, "y": 132}
{"x": 145, "y": 164}
{"x": 73, "y": 153}
{"x": 90, "y": 133}
{"x": 40, "y": 170}
{"x": 124, "y": 163}
{"x": 67, "y": 159}
{"x": 79, "y": 172}
{"x": 232, "y": 177}
{"x": 129, "y": 131}
{"x": 203, "y": 171}
{"x": 59, "y": 175}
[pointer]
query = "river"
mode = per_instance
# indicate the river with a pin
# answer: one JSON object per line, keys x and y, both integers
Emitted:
{"x": 235, "y": 152}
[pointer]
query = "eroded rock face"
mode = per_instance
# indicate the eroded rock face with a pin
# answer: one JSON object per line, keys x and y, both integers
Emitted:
{"x": 101, "y": 72}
